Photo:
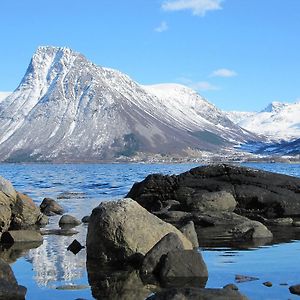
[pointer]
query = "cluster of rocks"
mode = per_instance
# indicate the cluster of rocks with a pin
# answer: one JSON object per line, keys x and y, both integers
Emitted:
{"x": 127, "y": 239}
{"x": 239, "y": 200}
{"x": 20, "y": 223}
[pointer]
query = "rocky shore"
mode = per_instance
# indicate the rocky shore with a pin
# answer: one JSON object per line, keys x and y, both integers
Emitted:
{"x": 146, "y": 246}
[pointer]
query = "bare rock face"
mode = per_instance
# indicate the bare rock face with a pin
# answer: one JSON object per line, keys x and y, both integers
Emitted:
{"x": 268, "y": 194}
{"x": 121, "y": 229}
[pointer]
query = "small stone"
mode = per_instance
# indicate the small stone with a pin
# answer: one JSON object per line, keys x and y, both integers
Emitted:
{"x": 75, "y": 247}
{"x": 295, "y": 289}
{"x": 231, "y": 286}
{"x": 50, "y": 206}
{"x": 244, "y": 278}
{"x": 268, "y": 283}
{"x": 68, "y": 220}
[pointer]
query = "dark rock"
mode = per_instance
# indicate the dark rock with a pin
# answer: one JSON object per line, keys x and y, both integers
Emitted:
{"x": 182, "y": 264}
{"x": 189, "y": 231}
{"x": 172, "y": 205}
{"x": 21, "y": 236}
{"x": 269, "y": 194}
{"x": 75, "y": 247}
{"x": 244, "y": 278}
{"x": 9, "y": 288}
{"x": 211, "y": 201}
{"x": 197, "y": 294}
{"x": 268, "y": 284}
{"x": 63, "y": 231}
{"x": 296, "y": 223}
{"x": 86, "y": 219}
{"x": 68, "y": 220}
{"x": 174, "y": 217}
{"x": 43, "y": 220}
{"x": 231, "y": 286}
{"x": 121, "y": 228}
{"x": 295, "y": 289}
{"x": 50, "y": 206}
{"x": 169, "y": 242}
{"x": 251, "y": 230}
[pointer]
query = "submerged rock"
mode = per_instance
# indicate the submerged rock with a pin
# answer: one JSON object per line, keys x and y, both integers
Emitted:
{"x": 121, "y": 229}
{"x": 295, "y": 289}
{"x": 9, "y": 288}
{"x": 75, "y": 247}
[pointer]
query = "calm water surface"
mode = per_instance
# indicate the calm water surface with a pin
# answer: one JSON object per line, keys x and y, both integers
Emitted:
{"x": 49, "y": 269}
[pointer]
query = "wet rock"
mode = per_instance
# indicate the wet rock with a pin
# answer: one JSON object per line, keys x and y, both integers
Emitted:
{"x": 270, "y": 195}
{"x": 197, "y": 294}
{"x": 169, "y": 242}
{"x": 231, "y": 286}
{"x": 174, "y": 217}
{"x": 50, "y": 206}
{"x": 75, "y": 247}
{"x": 189, "y": 231}
{"x": 43, "y": 220}
{"x": 63, "y": 231}
{"x": 251, "y": 230}
{"x": 9, "y": 288}
{"x": 244, "y": 278}
{"x": 268, "y": 284}
{"x": 85, "y": 219}
{"x": 25, "y": 213}
{"x": 122, "y": 228}
{"x": 71, "y": 195}
{"x": 182, "y": 264}
{"x": 21, "y": 236}
{"x": 68, "y": 220}
{"x": 172, "y": 205}
{"x": 280, "y": 222}
{"x": 211, "y": 201}
{"x": 295, "y": 289}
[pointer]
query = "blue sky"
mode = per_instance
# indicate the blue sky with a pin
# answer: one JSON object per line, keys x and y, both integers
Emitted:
{"x": 239, "y": 54}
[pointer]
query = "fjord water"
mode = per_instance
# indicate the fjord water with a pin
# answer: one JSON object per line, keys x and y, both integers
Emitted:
{"x": 50, "y": 271}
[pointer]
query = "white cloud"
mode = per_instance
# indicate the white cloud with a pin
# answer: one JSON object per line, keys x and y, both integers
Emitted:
{"x": 198, "y": 7}
{"x": 223, "y": 73}
{"x": 162, "y": 27}
{"x": 198, "y": 85}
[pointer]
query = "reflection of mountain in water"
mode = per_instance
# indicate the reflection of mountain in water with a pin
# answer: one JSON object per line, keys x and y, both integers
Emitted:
{"x": 53, "y": 263}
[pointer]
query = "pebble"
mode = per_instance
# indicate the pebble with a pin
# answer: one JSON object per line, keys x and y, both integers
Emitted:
{"x": 268, "y": 283}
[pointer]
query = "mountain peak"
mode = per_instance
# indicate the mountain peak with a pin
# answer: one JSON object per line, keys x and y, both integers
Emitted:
{"x": 275, "y": 107}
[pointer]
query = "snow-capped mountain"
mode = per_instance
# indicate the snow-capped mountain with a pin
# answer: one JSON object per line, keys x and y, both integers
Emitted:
{"x": 238, "y": 116}
{"x": 278, "y": 121}
{"x": 4, "y": 95}
{"x": 69, "y": 109}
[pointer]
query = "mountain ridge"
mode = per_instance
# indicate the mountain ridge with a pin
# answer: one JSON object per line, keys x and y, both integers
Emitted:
{"x": 68, "y": 109}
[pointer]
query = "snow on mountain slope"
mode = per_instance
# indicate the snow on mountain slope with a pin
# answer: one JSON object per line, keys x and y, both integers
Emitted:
{"x": 278, "y": 121}
{"x": 69, "y": 109}
{"x": 238, "y": 116}
{"x": 4, "y": 95}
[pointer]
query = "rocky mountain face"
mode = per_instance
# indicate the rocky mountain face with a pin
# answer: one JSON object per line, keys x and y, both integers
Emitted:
{"x": 278, "y": 121}
{"x": 68, "y": 109}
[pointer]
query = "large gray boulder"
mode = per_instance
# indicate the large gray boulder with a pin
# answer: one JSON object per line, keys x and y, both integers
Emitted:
{"x": 121, "y": 229}
{"x": 9, "y": 288}
{"x": 268, "y": 194}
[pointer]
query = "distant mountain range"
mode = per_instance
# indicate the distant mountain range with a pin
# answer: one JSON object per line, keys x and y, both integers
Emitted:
{"x": 278, "y": 121}
{"x": 68, "y": 109}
